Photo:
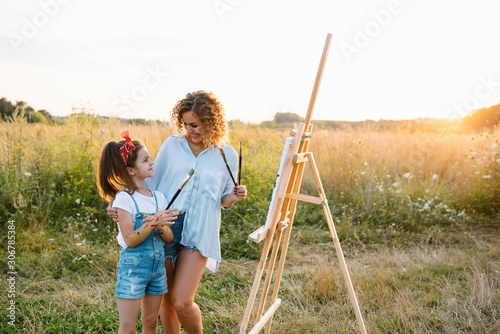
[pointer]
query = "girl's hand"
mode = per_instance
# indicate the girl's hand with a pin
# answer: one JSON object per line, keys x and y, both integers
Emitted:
{"x": 162, "y": 217}
{"x": 163, "y": 220}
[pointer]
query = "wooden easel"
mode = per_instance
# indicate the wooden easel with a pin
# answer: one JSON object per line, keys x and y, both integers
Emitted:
{"x": 278, "y": 228}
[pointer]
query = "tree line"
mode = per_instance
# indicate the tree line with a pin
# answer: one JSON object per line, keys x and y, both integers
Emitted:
{"x": 484, "y": 118}
{"x": 8, "y": 110}
{"x": 477, "y": 120}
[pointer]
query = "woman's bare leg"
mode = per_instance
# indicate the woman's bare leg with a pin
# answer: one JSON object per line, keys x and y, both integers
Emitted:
{"x": 189, "y": 270}
{"x": 149, "y": 316}
{"x": 168, "y": 316}
{"x": 128, "y": 310}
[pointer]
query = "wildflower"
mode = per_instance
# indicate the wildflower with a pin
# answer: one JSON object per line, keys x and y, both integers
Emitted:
{"x": 407, "y": 176}
{"x": 79, "y": 244}
{"x": 435, "y": 176}
{"x": 426, "y": 207}
{"x": 486, "y": 176}
{"x": 27, "y": 174}
{"x": 20, "y": 202}
{"x": 77, "y": 201}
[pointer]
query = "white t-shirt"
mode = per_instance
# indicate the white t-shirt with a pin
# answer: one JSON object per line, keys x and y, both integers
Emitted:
{"x": 146, "y": 204}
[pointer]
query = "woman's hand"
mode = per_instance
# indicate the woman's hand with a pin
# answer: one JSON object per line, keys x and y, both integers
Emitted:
{"x": 240, "y": 192}
{"x": 112, "y": 212}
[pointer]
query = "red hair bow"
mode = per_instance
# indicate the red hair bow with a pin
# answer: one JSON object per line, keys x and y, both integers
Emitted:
{"x": 126, "y": 147}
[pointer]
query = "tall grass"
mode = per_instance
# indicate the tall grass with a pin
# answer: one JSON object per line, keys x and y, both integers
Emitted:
{"x": 408, "y": 182}
{"x": 410, "y": 209}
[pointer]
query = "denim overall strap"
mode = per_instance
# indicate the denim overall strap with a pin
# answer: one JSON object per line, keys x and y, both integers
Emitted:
{"x": 137, "y": 210}
{"x": 139, "y": 215}
{"x": 156, "y": 200}
{"x": 154, "y": 196}
{"x": 153, "y": 241}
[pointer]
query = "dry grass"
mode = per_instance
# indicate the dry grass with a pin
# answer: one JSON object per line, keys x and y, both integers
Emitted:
{"x": 459, "y": 162}
{"x": 421, "y": 289}
{"x": 404, "y": 205}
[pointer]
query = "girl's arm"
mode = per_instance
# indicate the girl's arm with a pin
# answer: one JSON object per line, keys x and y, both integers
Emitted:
{"x": 162, "y": 217}
{"x": 132, "y": 237}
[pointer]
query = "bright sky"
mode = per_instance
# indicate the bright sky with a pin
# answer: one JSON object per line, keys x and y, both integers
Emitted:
{"x": 388, "y": 59}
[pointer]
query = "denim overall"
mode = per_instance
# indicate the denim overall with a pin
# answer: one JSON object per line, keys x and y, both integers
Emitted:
{"x": 173, "y": 247}
{"x": 141, "y": 269}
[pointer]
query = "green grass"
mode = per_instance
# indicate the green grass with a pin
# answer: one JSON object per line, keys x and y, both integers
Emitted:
{"x": 450, "y": 286}
{"x": 416, "y": 215}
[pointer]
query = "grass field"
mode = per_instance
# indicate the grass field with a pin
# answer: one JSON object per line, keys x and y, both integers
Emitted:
{"x": 416, "y": 214}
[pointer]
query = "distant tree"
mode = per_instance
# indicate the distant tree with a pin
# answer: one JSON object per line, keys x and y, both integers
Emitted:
{"x": 37, "y": 117}
{"x": 22, "y": 105}
{"x": 484, "y": 118}
{"x": 287, "y": 117}
{"x": 47, "y": 115}
{"x": 6, "y": 109}
{"x": 9, "y": 110}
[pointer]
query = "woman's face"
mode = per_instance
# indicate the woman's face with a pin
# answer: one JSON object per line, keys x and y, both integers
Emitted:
{"x": 192, "y": 126}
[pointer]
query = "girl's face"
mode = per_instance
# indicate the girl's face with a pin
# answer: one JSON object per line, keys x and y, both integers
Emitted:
{"x": 143, "y": 165}
{"x": 193, "y": 127}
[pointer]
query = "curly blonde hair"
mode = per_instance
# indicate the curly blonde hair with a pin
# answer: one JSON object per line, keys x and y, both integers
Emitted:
{"x": 214, "y": 129}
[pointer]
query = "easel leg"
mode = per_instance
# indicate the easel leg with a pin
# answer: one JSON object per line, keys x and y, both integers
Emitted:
{"x": 272, "y": 262}
{"x": 338, "y": 248}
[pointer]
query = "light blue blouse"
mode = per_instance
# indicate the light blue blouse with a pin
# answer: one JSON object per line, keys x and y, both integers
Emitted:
{"x": 201, "y": 196}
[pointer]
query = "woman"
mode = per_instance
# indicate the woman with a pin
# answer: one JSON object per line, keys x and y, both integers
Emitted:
{"x": 200, "y": 145}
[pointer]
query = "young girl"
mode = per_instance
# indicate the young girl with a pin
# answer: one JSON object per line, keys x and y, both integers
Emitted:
{"x": 121, "y": 178}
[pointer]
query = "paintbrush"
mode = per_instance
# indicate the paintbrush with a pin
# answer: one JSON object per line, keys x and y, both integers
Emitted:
{"x": 188, "y": 176}
{"x": 227, "y": 165}
{"x": 239, "y": 166}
